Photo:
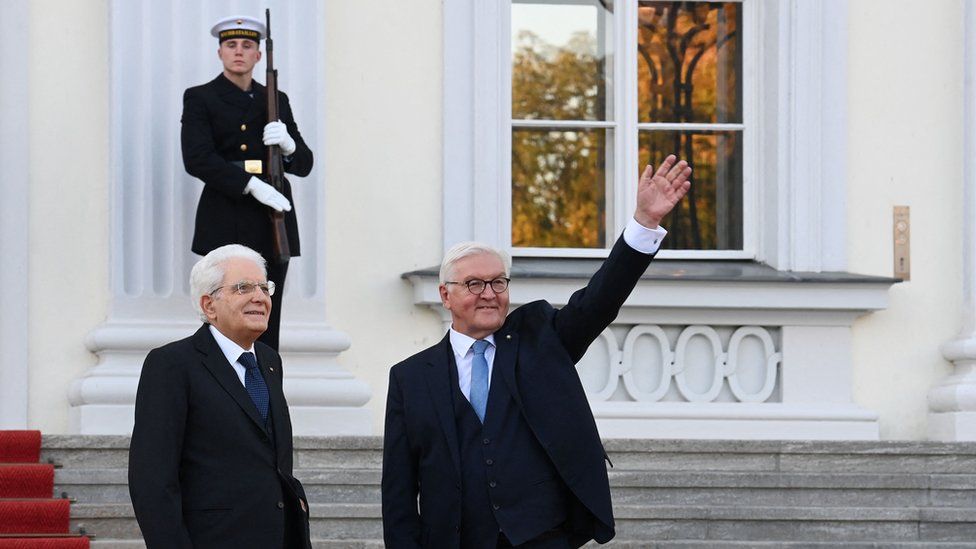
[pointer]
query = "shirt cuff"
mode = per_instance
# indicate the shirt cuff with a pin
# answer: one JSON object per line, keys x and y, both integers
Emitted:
{"x": 642, "y": 239}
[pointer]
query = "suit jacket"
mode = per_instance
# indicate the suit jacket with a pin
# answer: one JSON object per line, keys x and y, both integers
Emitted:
{"x": 536, "y": 352}
{"x": 219, "y": 119}
{"x": 204, "y": 471}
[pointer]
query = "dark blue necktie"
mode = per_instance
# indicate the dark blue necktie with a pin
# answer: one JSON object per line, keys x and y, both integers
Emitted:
{"x": 479, "y": 379}
{"x": 254, "y": 383}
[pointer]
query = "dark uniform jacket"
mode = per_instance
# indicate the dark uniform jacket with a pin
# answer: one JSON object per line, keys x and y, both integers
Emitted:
{"x": 204, "y": 469}
{"x": 536, "y": 352}
{"x": 223, "y": 124}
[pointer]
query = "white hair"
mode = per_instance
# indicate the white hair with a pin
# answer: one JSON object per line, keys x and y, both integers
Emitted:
{"x": 208, "y": 273}
{"x": 466, "y": 249}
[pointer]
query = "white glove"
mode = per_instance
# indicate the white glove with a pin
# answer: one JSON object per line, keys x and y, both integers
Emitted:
{"x": 275, "y": 133}
{"x": 267, "y": 195}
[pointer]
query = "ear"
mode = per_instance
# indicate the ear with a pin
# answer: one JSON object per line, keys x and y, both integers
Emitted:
{"x": 259, "y": 54}
{"x": 445, "y": 296}
{"x": 207, "y": 305}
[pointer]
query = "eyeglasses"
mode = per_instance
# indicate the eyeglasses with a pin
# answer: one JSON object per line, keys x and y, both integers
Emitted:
{"x": 244, "y": 288}
{"x": 477, "y": 287}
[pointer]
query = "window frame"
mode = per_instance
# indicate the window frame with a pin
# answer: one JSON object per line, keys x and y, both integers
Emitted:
{"x": 799, "y": 207}
{"x": 626, "y": 128}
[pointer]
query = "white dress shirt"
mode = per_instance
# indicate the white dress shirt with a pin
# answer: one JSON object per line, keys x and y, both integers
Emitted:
{"x": 641, "y": 238}
{"x": 464, "y": 356}
{"x": 233, "y": 352}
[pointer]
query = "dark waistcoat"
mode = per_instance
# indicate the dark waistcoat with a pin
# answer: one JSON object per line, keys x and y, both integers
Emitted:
{"x": 508, "y": 484}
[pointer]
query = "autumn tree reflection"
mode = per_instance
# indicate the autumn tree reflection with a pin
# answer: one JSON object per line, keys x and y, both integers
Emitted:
{"x": 559, "y": 183}
{"x": 689, "y": 69}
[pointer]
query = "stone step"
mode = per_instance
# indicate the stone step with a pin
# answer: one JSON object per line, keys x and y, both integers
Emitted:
{"x": 623, "y": 544}
{"x": 628, "y": 487}
{"x": 316, "y": 544}
{"x": 642, "y": 522}
{"x": 627, "y": 455}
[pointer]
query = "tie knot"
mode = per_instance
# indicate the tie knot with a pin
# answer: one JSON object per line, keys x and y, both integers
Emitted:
{"x": 480, "y": 346}
{"x": 248, "y": 360}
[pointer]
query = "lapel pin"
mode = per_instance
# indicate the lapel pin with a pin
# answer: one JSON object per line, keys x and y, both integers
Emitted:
{"x": 271, "y": 368}
{"x": 508, "y": 336}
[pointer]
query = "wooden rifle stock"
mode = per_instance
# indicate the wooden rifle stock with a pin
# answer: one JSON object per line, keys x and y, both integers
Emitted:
{"x": 275, "y": 168}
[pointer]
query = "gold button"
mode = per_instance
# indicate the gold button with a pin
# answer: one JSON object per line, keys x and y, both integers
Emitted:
{"x": 243, "y": 127}
{"x": 243, "y": 147}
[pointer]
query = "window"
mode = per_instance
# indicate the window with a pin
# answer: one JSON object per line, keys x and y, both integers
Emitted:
{"x": 590, "y": 107}
{"x": 781, "y": 137}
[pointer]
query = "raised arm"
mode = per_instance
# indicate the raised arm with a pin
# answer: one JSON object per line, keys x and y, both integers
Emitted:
{"x": 591, "y": 309}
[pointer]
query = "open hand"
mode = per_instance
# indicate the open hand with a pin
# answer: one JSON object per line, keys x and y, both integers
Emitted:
{"x": 659, "y": 191}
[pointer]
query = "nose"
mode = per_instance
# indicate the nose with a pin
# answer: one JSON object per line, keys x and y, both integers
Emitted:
{"x": 488, "y": 293}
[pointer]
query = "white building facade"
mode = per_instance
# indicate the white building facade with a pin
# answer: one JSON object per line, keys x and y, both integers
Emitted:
{"x": 794, "y": 329}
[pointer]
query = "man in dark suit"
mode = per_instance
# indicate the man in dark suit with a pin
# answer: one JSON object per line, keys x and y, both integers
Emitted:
{"x": 224, "y": 135}
{"x": 210, "y": 462}
{"x": 490, "y": 429}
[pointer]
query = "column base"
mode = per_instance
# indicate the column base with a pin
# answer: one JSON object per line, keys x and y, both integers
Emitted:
{"x": 952, "y": 426}
{"x": 739, "y": 421}
{"x": 323, "y": 398}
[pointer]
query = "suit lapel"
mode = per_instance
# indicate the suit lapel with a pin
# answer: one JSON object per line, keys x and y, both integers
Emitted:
{"x": 438, "y": 375}
{"x": 258, "y": 106}
{"x": 231, "y": 94}
{"x": 223, "y": 372}
{"x": 270, "y": 367}
{"x": 506, "y": 351}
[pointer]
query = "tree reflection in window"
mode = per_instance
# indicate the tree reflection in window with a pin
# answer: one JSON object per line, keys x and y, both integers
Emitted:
{"x": 560, "y": 70}
{"x": 689, "y": 102}
{"x": 689, "y": 81}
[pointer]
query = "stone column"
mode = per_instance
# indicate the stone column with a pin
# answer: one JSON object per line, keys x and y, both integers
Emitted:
{"x": 154, "y": 200}
{"x": 952, "y": 403}
{"x": 14, "y": 210}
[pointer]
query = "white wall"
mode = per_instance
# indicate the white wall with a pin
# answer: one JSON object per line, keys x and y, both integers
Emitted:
{"x": 905, "y": 135}
{"x": 68, "y": 259}
{"x": 383, "y": 179}
{"x": 384, "y": 185}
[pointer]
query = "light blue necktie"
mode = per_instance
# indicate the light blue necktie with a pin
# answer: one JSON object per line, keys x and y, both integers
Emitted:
{"x": 479, "y": 379}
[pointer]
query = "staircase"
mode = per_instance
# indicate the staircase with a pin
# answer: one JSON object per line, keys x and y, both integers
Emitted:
{"x": 30, "y": 518}
{"x": 668, "y": 494}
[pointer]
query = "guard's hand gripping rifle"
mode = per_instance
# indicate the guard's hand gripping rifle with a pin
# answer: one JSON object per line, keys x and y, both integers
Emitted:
{"x": 276, "y": 170}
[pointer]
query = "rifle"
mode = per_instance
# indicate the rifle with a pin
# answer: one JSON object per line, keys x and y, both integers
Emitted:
{"x": 276, "y": 170}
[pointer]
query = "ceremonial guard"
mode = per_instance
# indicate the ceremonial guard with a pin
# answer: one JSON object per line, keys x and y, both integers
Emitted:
{"x": 225, "y": 137}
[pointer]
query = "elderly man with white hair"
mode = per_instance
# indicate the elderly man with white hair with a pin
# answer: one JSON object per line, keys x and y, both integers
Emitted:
{"x": 489, "y": 439}
{"x": 210, "y": 463}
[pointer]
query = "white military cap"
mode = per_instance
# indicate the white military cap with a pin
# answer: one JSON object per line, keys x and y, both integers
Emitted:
{"x": 239, "y": 26}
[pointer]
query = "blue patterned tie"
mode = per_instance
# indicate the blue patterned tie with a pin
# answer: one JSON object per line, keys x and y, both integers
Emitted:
{"x": 255, "y": 385}
{"x": 479, "y": 379}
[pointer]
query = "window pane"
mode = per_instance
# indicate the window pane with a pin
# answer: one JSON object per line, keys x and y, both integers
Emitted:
{"x": 561, "y": 63}
{"x": 689, "y": 62}
{"x": 559, "y": 188}
{"x": 710, "y": 217}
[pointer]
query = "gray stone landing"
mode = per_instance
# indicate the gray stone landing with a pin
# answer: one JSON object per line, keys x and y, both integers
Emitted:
{"x": 666, "y": 493}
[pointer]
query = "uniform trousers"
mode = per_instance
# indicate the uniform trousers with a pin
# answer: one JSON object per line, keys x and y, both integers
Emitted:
{"x": 276, "y": 274}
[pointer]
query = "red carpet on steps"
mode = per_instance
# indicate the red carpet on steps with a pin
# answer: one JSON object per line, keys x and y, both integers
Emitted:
{"x": 27, "y": 480}
{"x": 44, "y": 543}
{"x": 29, "y": 517}
{"x": 20, "y": 446}
{"x": 34, "y": 516}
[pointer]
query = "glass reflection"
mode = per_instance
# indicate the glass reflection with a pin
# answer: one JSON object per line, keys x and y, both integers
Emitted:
{"x": 710, "y": 217}
{"x": 689, "y": 62}
{"x": 561, "y": 62}
{"x": 559, "y": 188}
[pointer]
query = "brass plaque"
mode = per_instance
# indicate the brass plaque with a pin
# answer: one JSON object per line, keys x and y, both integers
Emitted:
{"x": 902, "y": 237}
{"x": 252, "y": 166}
